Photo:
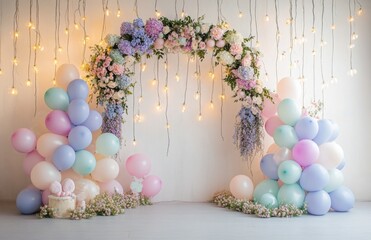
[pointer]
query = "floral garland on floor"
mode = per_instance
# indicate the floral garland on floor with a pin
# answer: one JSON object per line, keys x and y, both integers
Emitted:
{"x": 111, "y": 75}
{"x": 226, "y": 200}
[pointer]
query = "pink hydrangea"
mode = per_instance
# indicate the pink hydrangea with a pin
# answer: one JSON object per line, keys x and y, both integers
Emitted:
{"x": 235, "y": 49}
{"x": 216, "y": 33}
{"x": 118, "y": 69}
{"x": 246, "y": 61}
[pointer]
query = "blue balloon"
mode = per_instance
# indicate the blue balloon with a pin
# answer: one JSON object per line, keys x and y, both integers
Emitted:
{"x": 64, "y": 157}
{"x": 342, "y": 199}
{"x": 78, "y": 111}
{"x": 85, "y": 162}
{"x": 318, "y": 202}
{"x": 324, "y": 131}
{"x": 335, "y": 131}
{"x": 314, "y": 178}
{"x": 78, "y": 89}
{"x": 306, "y": 128}
{"x": 29, "y": 201}
{"x": 94, "y": 121}
{"x": 80, "y": 137}
{"x": 285, "y": 136}
{"x": 269, "y": 166}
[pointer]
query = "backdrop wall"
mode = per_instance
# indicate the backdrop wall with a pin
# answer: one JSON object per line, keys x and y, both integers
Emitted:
{"x": 202, "y": 158}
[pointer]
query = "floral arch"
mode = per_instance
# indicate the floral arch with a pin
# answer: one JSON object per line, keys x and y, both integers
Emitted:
{"x": 110, "y": 68}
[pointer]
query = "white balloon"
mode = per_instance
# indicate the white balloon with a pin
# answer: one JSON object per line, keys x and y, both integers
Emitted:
{"x": 86, "y": 189}
{"x": 65, "y": 74}
{"x": 48, "y": 143}
{"x": 336, "y": 180}
{"x": 106, "y": 170}
{"x": 241, "y": 187}
{"x": 289, "y": 88}
{"x": 43, "y": 174}
{"x": 282, "y": 155}
{"x": 330, "y": 155}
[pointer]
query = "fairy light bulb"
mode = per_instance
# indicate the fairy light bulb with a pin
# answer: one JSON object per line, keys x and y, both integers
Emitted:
{"x": 66, "y": 31}
{"x": 144, "y": 66}
{"x": 288, "y": 21}
{"x": 352, "y": 72}
{"x": 14, "y": 91}
{"x": 16, "y": 34}
{"x": 134, "y": 142}
{"x": 313, "y": 52}
{"x": 140, "y": 99}
{"x": 222, "y": 96}
{"x": 313, "y": 30}
{"x": 183, "y": 107}
{"x": 35, "y": 68}
{"x": 154, "y": 82}
{"x": 196, "y": 75}
{"x": 166, "y": 88}
{"x": 333, "y": 26}
{"x": 211, "y": 105}
{"x": 182, "y": 14}
{"x": 54, "y": 82}
{"x": 266, "y": 18}
{"x": 76, "y": 26}
{"x": 60, "y": 49}
{"x": 55, "y": 61}
{"x": 360, "y": 12}
{"x": 168, "y": 126}
{"x": 295, "y": 40}
{"x": 1, "y": 71}
{"x": 351, "y": 19}
{"x": 323, "y": 43}
{"x": 352, "y": 45}
{"x": 15, "y": 61}
{"x": 157, "y": 13}
{"x": 28, "y": 82}
{"x": 177, "y": 78}
{"x": 30, "y": 25}
{"x": 165, "y": 66}
{"x": 158, "y": 107}
{"x": 197, "y": 95}
{"x": 192, "y": 59}
{"x": 118, "y": 13}
{"x": 107, "y": 12}
{"x": 199, "y": 117}
{"x": 333, "y": 80}
{"x": 257, "y": 44}
{"x": 240, "y": 14}
{"x": 354, "y": 36}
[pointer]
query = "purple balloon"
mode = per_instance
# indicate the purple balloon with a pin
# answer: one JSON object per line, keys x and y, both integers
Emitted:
{"x": 314, "y": 178}
{"x": 78, "y": 89}
{"x": 80, "y": 137}
{"x": 29, "y": 201}
{"x": 306, "y": 128}
{"x": 324, "y": 131}
{"x": 342, "y": 199}
{"x": 94, "y": 121}
{"x": 58, "y": 122}
{"x": 318, "y": 202}
{"x": 305, "y": 152}
{"x": 64, "y": 157}
{"x": 78, "y": 111}
{"x": 341, "y": 164}
{"x": 269, "y": 167}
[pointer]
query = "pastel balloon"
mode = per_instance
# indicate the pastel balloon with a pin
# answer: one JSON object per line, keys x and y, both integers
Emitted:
{"x": 324, "y": 131}
{"x": 330, "y": 155}
{"x": 289, "y": 88}
{"x": 86, "y": 189}
{"x": 269, "y": 201}
{"x": 306, "y": 128}
{"x": 94, "y": 121}
{"x": 265, "y": 186}
{"x": 291, "y": 194}
{"x": 78, "y": 89}
{"x": 43, "y": 174}
{"x": 78, "y": 111}
{"x": 269, "y": 166}
{"x": 23, "y": 140}
{"x": 282, "y": 155}
{"x": 31, "y": 160}
{"x": 151, "y": 186}
{"x": 270, "y": 106}
{"x": 111, "y": 187}
{"x": 58, "y": 122}
{"x": 273, "y": 148}
{"x": 220, "y": 43}
{"x": 138, "y": 165}
{"x": 341, "y": 165}
{"x": 318, "y": 203}
{"x": 106, "y": 170}
{"x": 342, "y": 199}
{"x": 289, "y": 171}
{"x": 65, "y": 74}
{"x": 29, "y": 201}
{"x": 64, "y": 157}
{"x": 56, "y": 98}
{"x": 289, "y": 111}
{"x": 85, "y": 162}
{"x": 335, "y": 131}
{"x": 210, "y": 43}
{"x": 271, "y": 124}
{"x": 70, "y": 173}
{"x": 285, "y": 136}
{"x": 314, "y": 178}
{"x": 305, "y": 152}
{"x": 45, "y": 196}
{"x": 335, "y": 181}
{"x": 68, "y": 185}
{"x": 49, "y": 142}
{"x": 80, "y": 137}
{"x": 241, "y": 187}
{"x": 107, "y": 144}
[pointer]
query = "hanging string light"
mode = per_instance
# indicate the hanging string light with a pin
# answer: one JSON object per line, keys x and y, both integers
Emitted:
{"x": 278, "y": 37}
{"x": 222, "y": 99}
{"x": 324, "y": 85}
{"x": 360, "y": 9}
{"x": 314, "y": 51}
{"x": 1, "y": 34}
{"x": 266, "y": 17}
{"x": 57, "y": 47}
{"x": 257, "y": 44}
{"x": 290, "y": 21}
{"x": 158, "y": 107}
{"x": 333, "y": 78}
{"x": 240, "y": 13}
{"x": 212, "y": 76}
{"x": 134, "y": 116}
{"x": 167, "y": 106}
{"x": 118, "y": 14}
{"x": 135, "y": 9}
{"x": 37, "y": 47}
{"x": 177, "y": 77}
{"x": 83, "y": 25}
{"x": 157, "y": 12}
{"x": 302, "y": 77}
{"x": 186, "y": 87}
{"x": 352, "y": 71}
{"x": 14, "y": 90}
{"x": 105, "y": 14}
{"x": 250, "y": 20}
{"x": 30, "y": 27}
{"x": 295, "y": 23}
{"x": 183, "y": 14}
{"x": 67, "y": 29}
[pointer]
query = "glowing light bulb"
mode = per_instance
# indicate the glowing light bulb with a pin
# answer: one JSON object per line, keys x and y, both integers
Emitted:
{"x": 196, "y": 75}
{"x": 134, "y": 143}
{"x": 323, "y": 43}
{"x": 83, "y": 18}
{"x": 352, "y": 72}
{"x": 183, "y": 107}
{"x": 29, "y": 25}
{"x": 266, "y": 18}
{"x": 15, "y": 61}
{"x": 182, "y": 14}
{"x": 54, "y": 82}
{"x": 360, "y": 12}
{"x": 199, "y": 117}
{"x": 222, "y": 96}
{"x": 313, "y": 52}
{"x": 158, "y": 107}
{"x": 167, "y": 126}
{"x": 41, "y": 48}
{"x": 107, "y": 12}
{"x": 288, "y": 21}
{"x": 28, "y": 83}
{"x": 333, "y": 26}
{"x": 192, "y": 59}
{"x": 1, "y": 71}
{"x": 313, "y": 29}
{"x": 257, "y": 44}
{"x": 154, "y": 82}
{"x": 295, "y": 40}
{"x": 35, "y": 68}
{"x": 333, "y": 80}
{"x": 66, "y": 31}
{"x": 76, "y": 26}
{"x": 278, "y": 35}
{"x": 118, "y": 13}
{"x": 60, "y": 49}
{"x": 140, "y": 99}
{"x": 14, "y": 91}
{"x": 197, "y": 95}
{"x": 144, "y": 66}
{"x": 165, "y": 66}
{"x": 211, "y": 105}
{"x": 351, "y": 19}
{"x": 240, "y": 14}
{"x": 16, "y": 34}
{"x": 352, "y": 45}
{"x": 325, "y": 85}
{"x": 354, "y": 36}
{"x": 157, "y": 13}
{"x": 177, "y": 78}
{"x": 55, "y": 61}
{"x": 166, "y": 88}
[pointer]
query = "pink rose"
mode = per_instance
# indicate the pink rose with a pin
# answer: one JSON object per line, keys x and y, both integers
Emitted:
{"x": 216, "y": 33}
{"x": 210, "y": 43}
{"x": 202, "y": 45}
{"x": 220, "y": 43}
{"x": 246, "y": 61}
{"x": 235, "y": 49}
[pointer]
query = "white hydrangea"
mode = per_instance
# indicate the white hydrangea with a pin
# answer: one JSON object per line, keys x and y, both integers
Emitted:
{"x": 166, "y": 30}
{"x": 234, "y": 38}
{"x": 112, "y": 84}
{"x": 225, "y": 58}
{"x": 205, "y": 28}
{"x": 129, "y": 61}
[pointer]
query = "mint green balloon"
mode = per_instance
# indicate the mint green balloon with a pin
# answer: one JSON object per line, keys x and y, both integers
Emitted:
{"x": 289, "y": 171}
{"x": 84, "y": 163}
{"x": 107, "y": 144}
{"x": 285, "y": 136}
{"x": 336, "y": 180}
{"x": 266, "y": 186}
{"x": 291, "y": 194}
{"x": 268, "y": 200}
{"x": 289, "y": 111}
{"x": 56, "y": 99}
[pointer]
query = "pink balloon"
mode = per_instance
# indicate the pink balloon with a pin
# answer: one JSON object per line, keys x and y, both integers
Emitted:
{"x": 58, "y": 122}
{"x": 23, "y": 140}
{"x": 111, "y": 187}
{"x": 49, "y": 142}
{"x": 151, "y": 186}
{"x": 45, "y": 196}
{"x": 138, "y": 165}
{"x": 271, "y": 124}
{"x": 31, "y": 160}
{"x": 241, "y": 187}
{"x": 220, "y": 43}
{"x": 305, "y": 152}
{"x": 210, "y": 43}
{"x": 270, "y": 106}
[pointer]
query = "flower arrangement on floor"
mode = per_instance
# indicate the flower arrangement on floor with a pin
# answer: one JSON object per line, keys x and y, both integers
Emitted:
{"x": 110, "y": 68}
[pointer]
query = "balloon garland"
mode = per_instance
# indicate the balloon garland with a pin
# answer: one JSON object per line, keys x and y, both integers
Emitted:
{"x": 110, "y": 69}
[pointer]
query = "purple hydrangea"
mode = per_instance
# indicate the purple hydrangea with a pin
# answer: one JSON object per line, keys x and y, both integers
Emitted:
{"x": 123, "y": 81}
{"x": 125, "y": 47}
{"x": 113, "y": 110}
{"x": 244, "y": 73}
{"x": 141, "y": 42}
{"x": 153, "y": 28}
{"x": 138, "y": 23}
{"x": 126, "y": 28}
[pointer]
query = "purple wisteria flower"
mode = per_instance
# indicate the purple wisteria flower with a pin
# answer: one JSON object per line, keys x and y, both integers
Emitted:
{"x": 125, "y": 47}
{"x": 153, "y": 28}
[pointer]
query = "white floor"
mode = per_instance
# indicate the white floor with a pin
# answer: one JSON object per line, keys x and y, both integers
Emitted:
{"x": 179, "y": 220}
